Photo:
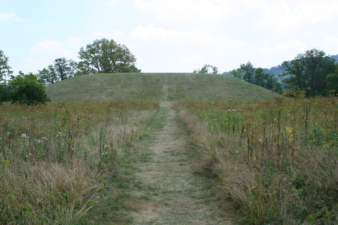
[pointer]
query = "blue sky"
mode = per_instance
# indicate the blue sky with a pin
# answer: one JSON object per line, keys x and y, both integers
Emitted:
{"x": 169, "y": 35}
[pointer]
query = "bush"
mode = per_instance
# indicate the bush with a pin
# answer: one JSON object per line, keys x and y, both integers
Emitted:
{"x": 26, "y": 89}
{"x": 4, "y": 93}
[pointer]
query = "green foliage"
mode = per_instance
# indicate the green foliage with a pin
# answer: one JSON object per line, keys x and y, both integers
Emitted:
{"x": 5, "y": 70}
{"x": 4, "y": 93}
{"x": 309, "y": 71}
{"x": 205, "y": 69}
{"x": 26, "y": 89}
{"x": 83, "y": 68}
{"x": 107, "y": 56}
{"x": 248, "y": 72}
{"x": 48, "y": 76}
{"x": 64, "y": 68}
{"x": 237, "y": 73}
{"x": 257, "y": 76}
{"x": 332, "y": 82}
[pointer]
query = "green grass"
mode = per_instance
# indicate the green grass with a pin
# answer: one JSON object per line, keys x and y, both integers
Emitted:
{"x": 155, "y": 86}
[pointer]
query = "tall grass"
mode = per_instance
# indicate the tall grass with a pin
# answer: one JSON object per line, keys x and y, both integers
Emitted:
{"x": 277, "y": 159}
{"x": 56, "y": 158}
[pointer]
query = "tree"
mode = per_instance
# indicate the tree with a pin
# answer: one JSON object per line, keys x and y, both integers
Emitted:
{"x": 26, "y": 89}
{"x": 237, "y": 73}
{"x": 48, "y": 76}
{"x": 64, "y": 68}
{"x": 332, "y": 82}
{"x": 309, "y": 71}
{"x": 205, "y": 69}
{"x": 261, "y": 77}
{"x": 5, "y": 70}
{"x": 83, "y": 68}
{"x": 107, "y": 56}
{"x": 249, "y": 72}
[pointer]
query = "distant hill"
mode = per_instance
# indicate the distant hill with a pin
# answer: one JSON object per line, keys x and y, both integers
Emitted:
{"x": 156, "y": 86}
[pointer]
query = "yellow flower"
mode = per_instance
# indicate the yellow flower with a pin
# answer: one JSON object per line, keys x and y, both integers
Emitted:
{"x": 254, "y": 158}
{"x": 235, "y": 168}
{"x": 288, "y": 129}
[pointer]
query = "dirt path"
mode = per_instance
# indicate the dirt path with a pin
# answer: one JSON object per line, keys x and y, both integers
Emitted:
{"x": 166, "y": 191}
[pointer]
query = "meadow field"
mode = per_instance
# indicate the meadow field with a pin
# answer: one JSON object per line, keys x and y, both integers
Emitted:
{"x": 275, "y": 160}
{"x": 60, "y": 161}
{"x": 169, "y": 149}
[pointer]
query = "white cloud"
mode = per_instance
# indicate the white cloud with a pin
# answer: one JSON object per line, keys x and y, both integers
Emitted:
{"x": 217, "y": 50}
{"x": 52, "y": 47}
{"x": 293, "y": 44}
{"x": 283, "y": 16}
{"x": 331, "y": 43}
{"x": 47, "y": 24}
{"x": 20, "y": 19}
{"x": 202, "y": 37}
{"x": 331, "y": 40}
{"x": 192, "y": 59}
{"x": 6, "y": 16}
{"x": 112, "y": 3}
{"x": 200, "y": 12}
{"x": 118, "y": 33}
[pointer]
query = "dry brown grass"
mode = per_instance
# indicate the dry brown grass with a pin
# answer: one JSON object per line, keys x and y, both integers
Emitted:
{"x": 55, "y": 160}
{"x": 286, "y": 177}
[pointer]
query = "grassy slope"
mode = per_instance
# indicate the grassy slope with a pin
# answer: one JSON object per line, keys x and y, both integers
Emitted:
{"x": 102, "y": 87}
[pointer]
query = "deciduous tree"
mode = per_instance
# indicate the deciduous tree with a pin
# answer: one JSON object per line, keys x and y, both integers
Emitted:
{"x": 332, "y": 82}
{"x": 26, "y": 89}
{"x": 205, "y": 69}
{"x": 248, "y": 72}
{"x": 309, "y": 71}
{"x": 107, "y": 56}
{"x": 5, "y": 69}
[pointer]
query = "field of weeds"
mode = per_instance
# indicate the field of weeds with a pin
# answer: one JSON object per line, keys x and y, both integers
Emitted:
{"x": 276, "y": 160}
{"x": 57, "y": 159}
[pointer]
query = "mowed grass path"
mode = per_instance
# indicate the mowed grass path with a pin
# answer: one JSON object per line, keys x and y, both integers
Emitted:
{"x": 134, "y": 86}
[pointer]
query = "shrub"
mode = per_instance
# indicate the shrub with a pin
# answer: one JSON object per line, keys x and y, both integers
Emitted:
{"x": 26, "y": 89}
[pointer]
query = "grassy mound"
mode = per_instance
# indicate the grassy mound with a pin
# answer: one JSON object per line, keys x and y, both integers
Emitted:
{"x": 154, "y": 86}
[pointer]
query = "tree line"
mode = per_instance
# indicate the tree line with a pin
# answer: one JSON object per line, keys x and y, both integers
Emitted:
{"x": 313, "y": 72}
{"x": 102, "y": 56}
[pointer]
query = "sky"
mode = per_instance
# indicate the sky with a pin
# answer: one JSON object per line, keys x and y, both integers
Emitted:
{"x": 168, "y": 35}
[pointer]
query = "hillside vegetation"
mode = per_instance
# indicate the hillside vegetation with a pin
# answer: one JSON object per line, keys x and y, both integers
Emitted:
{"x": 154, "y": 86}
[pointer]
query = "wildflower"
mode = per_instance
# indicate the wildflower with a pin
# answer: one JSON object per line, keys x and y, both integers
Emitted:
{"x": 106, "y": 146}
{"x": 288, "y": 129}
{"x": 236, "y": 169}
{"x": 23, "y": 135}
{"x": 38, "y": 141}
{"x": 44, "y": 138}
